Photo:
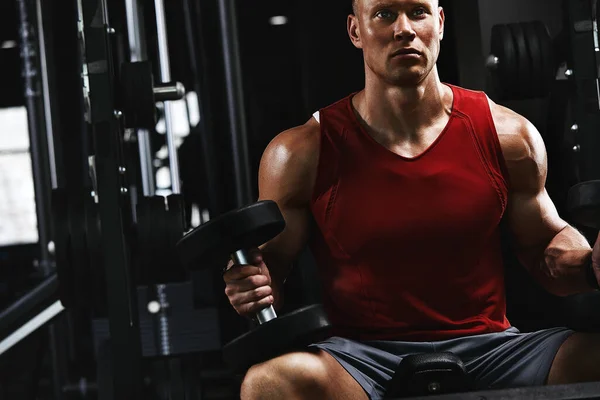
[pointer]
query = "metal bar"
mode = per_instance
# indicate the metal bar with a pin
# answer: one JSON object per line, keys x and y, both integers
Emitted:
{"x": 36, "y": 119}
{"x": 135, "y": 35}
{"x": 31, "y": 326}
{"x": 195, "y": 46}
{"x": 46, "y": 94}
{"x": 165, "y": 77}
{"x": 44, "y": 292}
{"x": 137, "y": 52}
{"x": 169, "y": 91}
{"x": 146, "y": 167}
{"x": 235, "y": 103}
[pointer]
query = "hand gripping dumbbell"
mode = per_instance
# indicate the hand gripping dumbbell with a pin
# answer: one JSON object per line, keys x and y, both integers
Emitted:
{"x": 232, "y": 235}
{"x": 583, "y": 209}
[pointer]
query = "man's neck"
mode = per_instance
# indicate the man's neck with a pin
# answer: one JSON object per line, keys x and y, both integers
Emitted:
{"x": 401, "y": 113}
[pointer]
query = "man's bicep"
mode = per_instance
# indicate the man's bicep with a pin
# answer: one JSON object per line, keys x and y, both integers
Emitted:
{"x": 532, "y": 216}
{"x": 533, "y": 219}
{"x": 286, "y": 176}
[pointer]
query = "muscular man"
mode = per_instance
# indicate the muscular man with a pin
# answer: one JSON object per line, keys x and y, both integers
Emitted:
{"x": 407, "y": 183}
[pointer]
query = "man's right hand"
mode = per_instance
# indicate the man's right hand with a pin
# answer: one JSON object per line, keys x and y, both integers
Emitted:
{"x": 248, "y": 287}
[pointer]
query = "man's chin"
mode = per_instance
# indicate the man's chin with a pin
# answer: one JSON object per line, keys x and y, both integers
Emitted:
{"x": 406, "y": 80}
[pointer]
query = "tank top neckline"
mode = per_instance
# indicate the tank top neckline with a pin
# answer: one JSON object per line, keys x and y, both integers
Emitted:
{"x": 381, "y": 148}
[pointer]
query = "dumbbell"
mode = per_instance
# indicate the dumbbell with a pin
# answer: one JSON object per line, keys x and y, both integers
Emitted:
{"x": 583, "y": 208}
{"x": 232, "y": 235}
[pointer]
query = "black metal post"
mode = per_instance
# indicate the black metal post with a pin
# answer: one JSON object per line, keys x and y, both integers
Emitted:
{"x": 195, "y": 46}
{"x": 33, "y": 53}
{"x": 235, "y": 103}
{"x": 106, "y": 135}
{"x": 36, "y": 119}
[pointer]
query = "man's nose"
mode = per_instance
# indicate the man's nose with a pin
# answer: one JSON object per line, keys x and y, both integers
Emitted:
{"x": 403, "y": 29}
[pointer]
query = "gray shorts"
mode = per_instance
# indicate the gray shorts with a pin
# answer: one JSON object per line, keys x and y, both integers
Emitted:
{"x": 495, "y": 360}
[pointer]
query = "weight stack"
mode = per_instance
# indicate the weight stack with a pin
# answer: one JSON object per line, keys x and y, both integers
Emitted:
{"x": 160, "y": 224}
{"x": 169, "y": 323}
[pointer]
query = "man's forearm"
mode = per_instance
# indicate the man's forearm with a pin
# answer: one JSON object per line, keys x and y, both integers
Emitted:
{"x": 562, "y": 267}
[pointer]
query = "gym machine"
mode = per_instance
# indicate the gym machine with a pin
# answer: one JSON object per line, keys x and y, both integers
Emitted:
{"x": 113, "y": 238}
{"x": 528, "y": 63}
{"x": 143, "y": 317}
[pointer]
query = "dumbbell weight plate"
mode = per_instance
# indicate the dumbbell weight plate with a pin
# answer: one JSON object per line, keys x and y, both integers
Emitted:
{"x": 283, "y": 334}
{"x": 583, "y": 204}
{"x": 548, "y": 57}
{"x": 503, "y": 47}
{"x": 243, "y": 229}
{"x": 523, "y": 61}
{"x": 538, "y": 84}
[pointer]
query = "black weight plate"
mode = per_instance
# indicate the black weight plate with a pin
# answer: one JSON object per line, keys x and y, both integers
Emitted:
{"x": 548, "y": 57}
{"x": 139, "y": 104}
{"x": 523, "y": 62}
{"x": 503, "y": 47}
{"x": 298, "y": 328}
{"x": 538, "y": 85}
{"x": 242, "y": 229}
{"x": 583, "y": 204}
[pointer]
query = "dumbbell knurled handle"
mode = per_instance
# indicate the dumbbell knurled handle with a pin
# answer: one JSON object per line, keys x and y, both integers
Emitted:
{"x": 241, "y": 257}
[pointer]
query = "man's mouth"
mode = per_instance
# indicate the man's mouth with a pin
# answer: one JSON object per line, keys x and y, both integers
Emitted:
{"x": 405, "y": 52}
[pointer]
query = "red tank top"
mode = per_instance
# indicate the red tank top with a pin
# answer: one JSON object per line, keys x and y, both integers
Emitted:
{"x": 409, "y": 248}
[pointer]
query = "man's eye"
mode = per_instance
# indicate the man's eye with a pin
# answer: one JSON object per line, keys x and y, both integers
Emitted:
{"x": 419, "y": 12}
{"x": 385, "y": 14}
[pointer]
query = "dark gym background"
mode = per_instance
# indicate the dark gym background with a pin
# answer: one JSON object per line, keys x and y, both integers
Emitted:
{"x": 289, "y": 72}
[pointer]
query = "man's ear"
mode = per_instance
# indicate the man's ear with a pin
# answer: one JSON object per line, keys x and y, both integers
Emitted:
{"x": 354, "y": 31}
{"x": 442, "y": 22}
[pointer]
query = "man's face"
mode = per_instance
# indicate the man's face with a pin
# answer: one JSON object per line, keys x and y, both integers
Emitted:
{"x": 400, "y": 39}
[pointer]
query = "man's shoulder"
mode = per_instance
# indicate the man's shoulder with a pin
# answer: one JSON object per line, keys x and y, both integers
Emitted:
{"x": 289, "y": 164}
{"x": 519, "y": 138}
{"x": 507, "y": 121}
{"x": 301, "y": 138}
{"x": 295, "y": 148}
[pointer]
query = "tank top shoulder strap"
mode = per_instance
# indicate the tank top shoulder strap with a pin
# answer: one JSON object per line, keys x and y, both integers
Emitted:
{"x": 474, "y": 108}
{"x": 334, "y": 121}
